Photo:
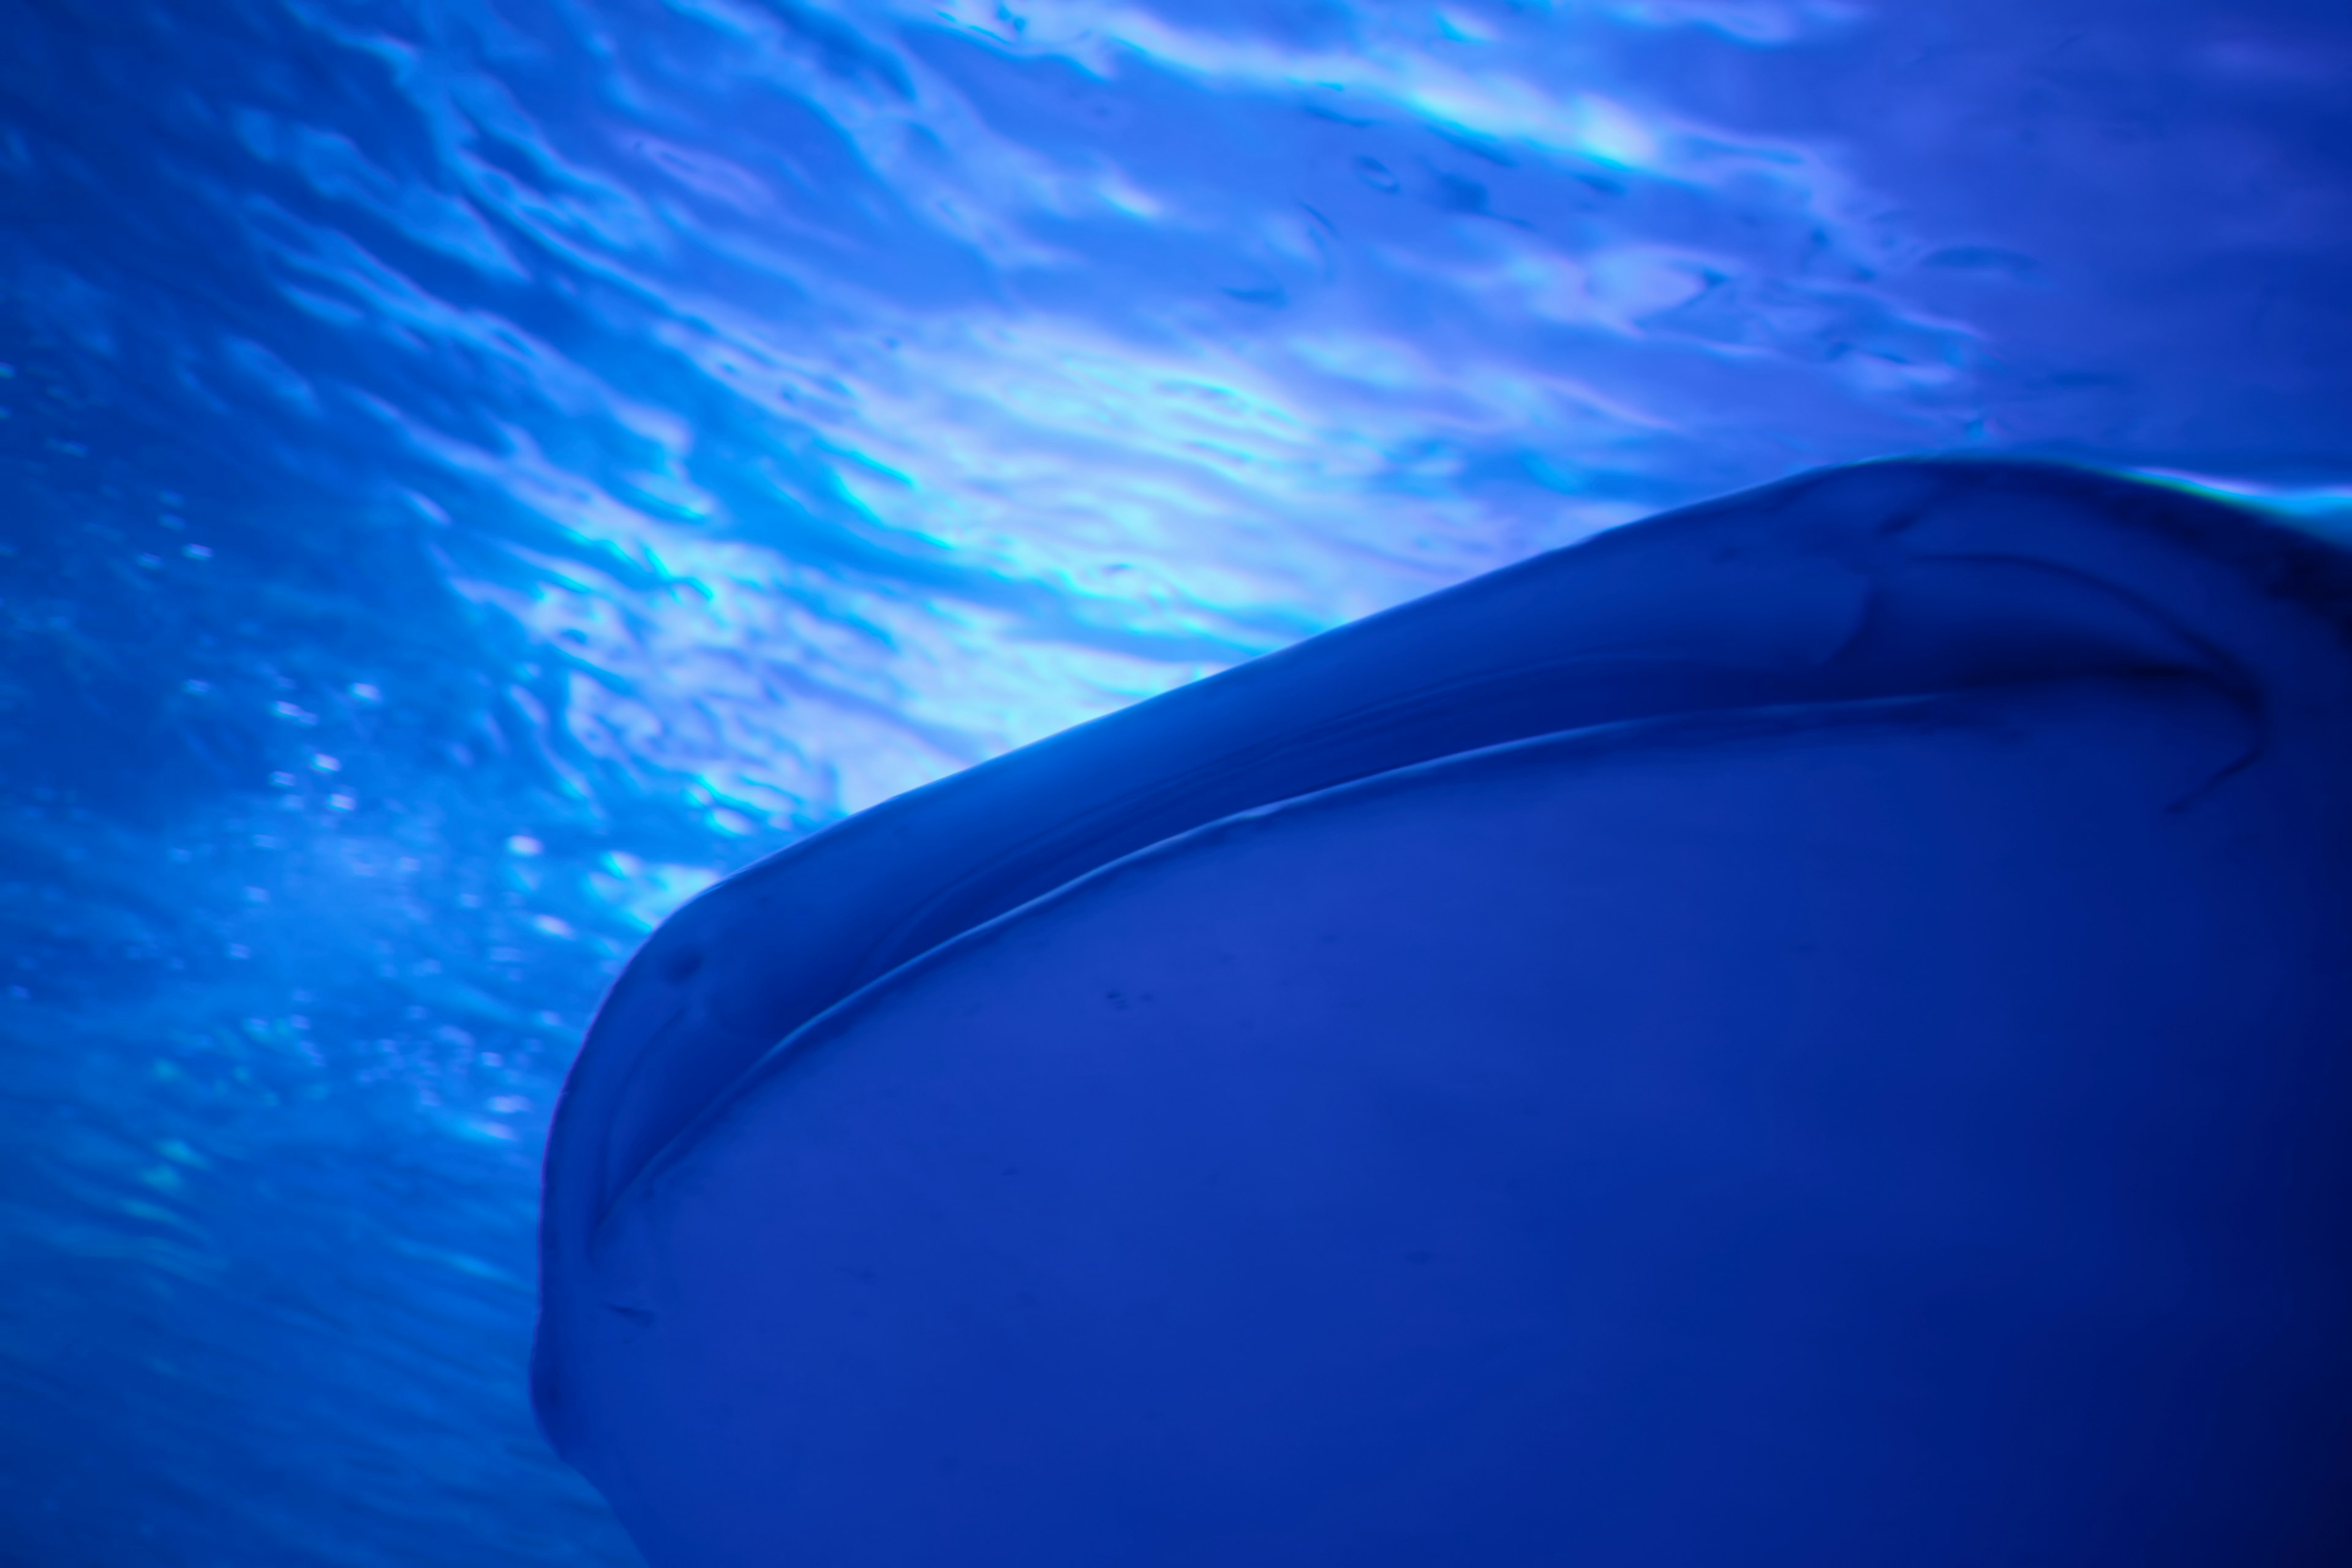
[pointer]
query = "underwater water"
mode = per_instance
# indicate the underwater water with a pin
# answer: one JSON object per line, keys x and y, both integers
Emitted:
{"x": 472, "y": 473}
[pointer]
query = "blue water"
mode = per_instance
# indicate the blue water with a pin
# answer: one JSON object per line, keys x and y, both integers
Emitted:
{"x": 472, "y": 473}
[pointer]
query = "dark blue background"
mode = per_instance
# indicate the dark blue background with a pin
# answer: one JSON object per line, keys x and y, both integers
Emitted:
{"x": 473, "y": 472}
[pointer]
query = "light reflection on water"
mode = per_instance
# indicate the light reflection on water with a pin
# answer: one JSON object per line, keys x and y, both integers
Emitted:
{"x": 619, "y": 437}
